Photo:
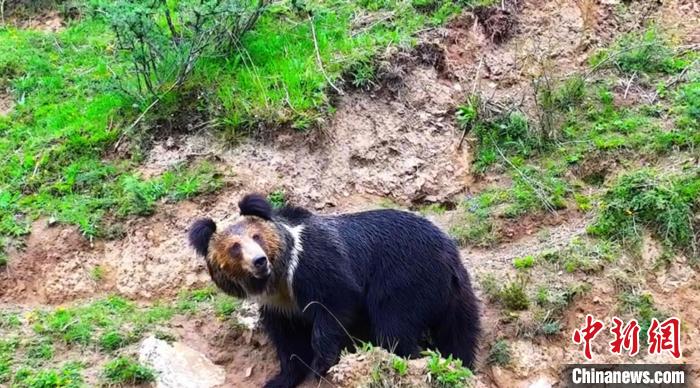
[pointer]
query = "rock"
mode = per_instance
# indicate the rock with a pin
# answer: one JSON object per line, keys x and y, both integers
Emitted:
{"x": 541, "y": 382}
{"x": 179, "y": 366}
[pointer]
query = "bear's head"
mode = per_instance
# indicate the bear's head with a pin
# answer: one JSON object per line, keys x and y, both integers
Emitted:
{"x": 243, "y": 255}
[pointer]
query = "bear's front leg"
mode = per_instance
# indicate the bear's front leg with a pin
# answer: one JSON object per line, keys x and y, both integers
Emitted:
{"x": 327, "y": 340}
{"x": 292, "y": 340}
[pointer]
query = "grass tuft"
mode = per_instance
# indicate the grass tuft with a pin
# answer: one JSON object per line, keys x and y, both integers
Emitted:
{"x": 125, "y": 370}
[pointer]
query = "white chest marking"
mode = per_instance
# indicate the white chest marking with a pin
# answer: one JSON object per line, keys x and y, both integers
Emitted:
{"x": 297, "y": 248}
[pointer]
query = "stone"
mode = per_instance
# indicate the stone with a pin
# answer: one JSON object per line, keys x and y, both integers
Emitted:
{"x": 179, "y": 366}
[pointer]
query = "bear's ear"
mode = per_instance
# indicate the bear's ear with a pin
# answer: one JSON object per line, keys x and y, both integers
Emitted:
{"x": 255, "y": 205}
{"x": 200, "y": 233}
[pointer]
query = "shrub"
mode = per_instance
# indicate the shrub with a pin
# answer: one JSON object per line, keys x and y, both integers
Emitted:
{"x": 499, "y": 354}
{"x": 164, "y": 40}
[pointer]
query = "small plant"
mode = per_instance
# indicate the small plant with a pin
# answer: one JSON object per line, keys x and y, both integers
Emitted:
{"x": 97, "y": 273}
{"x": 447, "y": 372}
{"x": 124, "y": 370}
{"x": 642, "y": 308}
{"x": 400, "y": 365}
{"x": 499, "y": 354}
{"x": 40, "y": 350}
{"x": 112, "y": 340}
{"x": 513, "y": 296}
{"x": 491, "y": 287}
{"x": 524, "y": 262}
{"x": 277, "y": 199}
{"x": 225, "y": 305}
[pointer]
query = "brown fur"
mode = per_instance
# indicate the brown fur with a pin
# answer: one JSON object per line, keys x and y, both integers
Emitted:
{"x": 222, "y": 244}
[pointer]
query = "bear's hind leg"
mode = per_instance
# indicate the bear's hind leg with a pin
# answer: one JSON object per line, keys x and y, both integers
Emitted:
{"x": 458, "y": 331}
{"x": 397, "y": 335}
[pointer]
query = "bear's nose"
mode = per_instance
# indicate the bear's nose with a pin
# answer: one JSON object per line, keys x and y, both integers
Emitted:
{"x": 260, "y": 261}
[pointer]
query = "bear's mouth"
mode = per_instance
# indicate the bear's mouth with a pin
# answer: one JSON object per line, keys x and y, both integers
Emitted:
{"x": 263, "y": 273}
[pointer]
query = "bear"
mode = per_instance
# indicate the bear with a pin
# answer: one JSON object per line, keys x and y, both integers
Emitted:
{"x": 387, "y": 276}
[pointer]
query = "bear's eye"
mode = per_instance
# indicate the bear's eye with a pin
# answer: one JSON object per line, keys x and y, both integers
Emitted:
{"x": 256, "y": 237}
{"x": 235, "y": 249}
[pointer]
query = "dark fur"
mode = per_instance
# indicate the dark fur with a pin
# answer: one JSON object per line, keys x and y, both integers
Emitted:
{"x": 200, "y": 234}
{"x": 387, "y": 276}
{"x": 255, "y": 205}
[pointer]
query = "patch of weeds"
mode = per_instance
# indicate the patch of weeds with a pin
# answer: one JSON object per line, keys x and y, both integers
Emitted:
{"x": 40, "y": 350}
{"x": 535, "y": 189}
{"x": 513, "y": 296}
{"x": 475, "y": 225}
{"x": 9, "y": 320}
{"x": 97, "y": 273}
{"x": 446, "y": 372}
{"x": 510, "y": 295}
{"x": 555, "y": 300}
{"x": 112, "y": 340}
{"x": 189, "y": 301}
{"x": 570, "y": 93}
{"x": 498, "y": 134}
{"x": 225, "y": 305}
{"x": 647, "y": 52}
{"x": 110, "y": 322}
{"x": 68, "y": 376}
{"x": 523, "y": 263}
{"x": 433, "y": 208}
{"x": 400, "y": 365}
{"x": 585, "y": 255}
{"x": 491, "y": 287}
{"x": 277, "y": 199}
{"x": 499, "y": 354}
{"x": 8, "y": 347}
{"x": 641, "y": 307}
{"x": 126, "y": 370}
{"x": 583, "y": 202}
{"x": 362, "y": 74}
{"x": 664, "y": 204}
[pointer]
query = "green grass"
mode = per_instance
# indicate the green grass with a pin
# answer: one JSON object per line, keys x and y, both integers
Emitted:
{"x": 446, "y": 372}
{"x": 525, "y": 262}
{"x": 642, "y": 308}
{"x": 665, "y": 204}
{"x": 648, "y": 52}
{"x": 125, "y": 370}
{"x": 499, "y": 354}
{"x": 68, "y": 376}
{"x": 106, "y": 323}
{"x": 276, "y": 78}
{"x": 31, "y": 343}
{"x": 585, "y": 255}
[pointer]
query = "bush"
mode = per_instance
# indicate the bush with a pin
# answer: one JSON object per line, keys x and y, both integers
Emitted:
{"x": 164, "y": 40}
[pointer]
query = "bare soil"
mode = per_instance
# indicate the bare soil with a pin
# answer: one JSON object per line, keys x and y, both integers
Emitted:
{"x": 399, "y": 146}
